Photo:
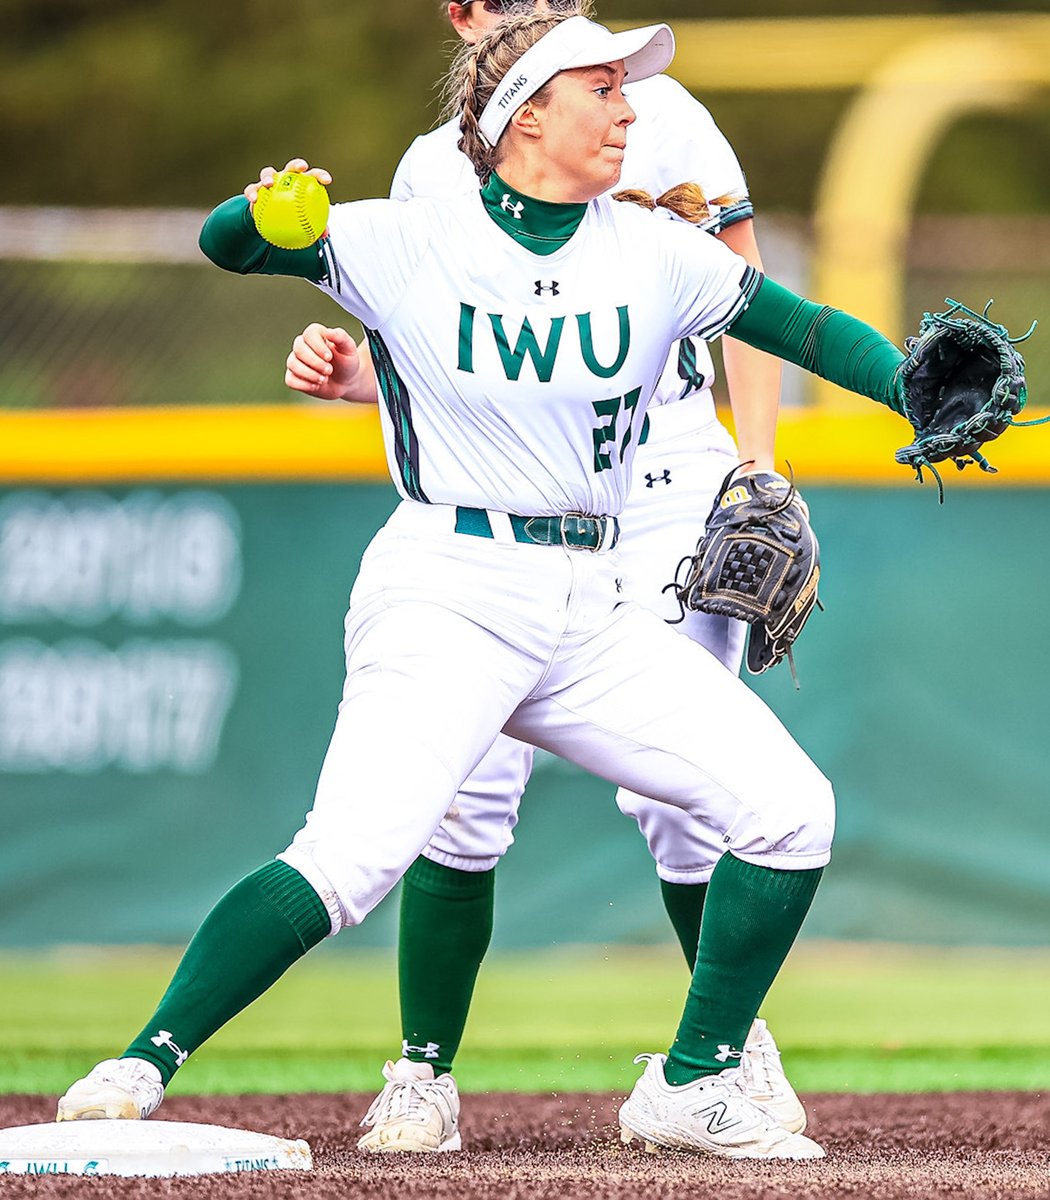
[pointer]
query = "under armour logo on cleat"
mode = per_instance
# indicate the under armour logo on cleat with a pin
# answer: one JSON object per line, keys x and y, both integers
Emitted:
{"x": 651, "y": 479}
{"x": 164, "y": 1039}
{"x": 726, "y": 1052}
{"x": 430, "y": 1050}
{"x": 508, "y": 205}
{"x": 542, "y": 287}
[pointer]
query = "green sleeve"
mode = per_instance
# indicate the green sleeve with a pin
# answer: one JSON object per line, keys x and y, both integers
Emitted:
{"x": 229, "y": 238}
{"x": 825, "y": 341}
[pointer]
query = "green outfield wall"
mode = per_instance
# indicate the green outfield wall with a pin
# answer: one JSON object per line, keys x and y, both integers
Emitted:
{"x": 171, "y": 660}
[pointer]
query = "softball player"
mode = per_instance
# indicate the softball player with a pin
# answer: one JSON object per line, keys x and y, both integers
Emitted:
{"x": 447, "y": 898}
{"x": 490, "y": 600}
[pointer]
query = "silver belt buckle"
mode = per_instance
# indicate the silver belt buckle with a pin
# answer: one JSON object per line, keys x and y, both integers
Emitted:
{"x": 578, "y": 517}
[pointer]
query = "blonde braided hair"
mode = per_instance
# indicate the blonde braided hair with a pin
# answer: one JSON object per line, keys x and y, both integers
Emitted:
{"x": 478, "y": 70}
{"x": 685, "y": 200}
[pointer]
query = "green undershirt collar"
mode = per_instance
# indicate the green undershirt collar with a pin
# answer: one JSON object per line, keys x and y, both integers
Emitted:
{"x": 538, "y": 225}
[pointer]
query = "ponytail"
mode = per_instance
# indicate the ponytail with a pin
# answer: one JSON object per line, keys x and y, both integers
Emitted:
{"x": 685, "y": 200}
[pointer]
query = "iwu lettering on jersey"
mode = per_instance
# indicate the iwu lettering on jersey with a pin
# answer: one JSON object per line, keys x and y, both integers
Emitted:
{"x": 527, "y": 344}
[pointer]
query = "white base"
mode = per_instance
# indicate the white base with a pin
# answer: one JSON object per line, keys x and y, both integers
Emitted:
{"x": 157, "y": 1149}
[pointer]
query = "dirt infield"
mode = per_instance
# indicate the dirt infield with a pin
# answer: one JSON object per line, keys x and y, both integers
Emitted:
{"x": 991, "y": 1144}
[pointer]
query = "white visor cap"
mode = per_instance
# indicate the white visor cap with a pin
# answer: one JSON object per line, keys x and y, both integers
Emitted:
{"x": 573, "y": 43}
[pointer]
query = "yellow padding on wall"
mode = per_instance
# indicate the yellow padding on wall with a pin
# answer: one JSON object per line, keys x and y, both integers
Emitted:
{"x": 857, "y": 448}
{"x": 264, "y": 442}
{"x": 343, "y": 442}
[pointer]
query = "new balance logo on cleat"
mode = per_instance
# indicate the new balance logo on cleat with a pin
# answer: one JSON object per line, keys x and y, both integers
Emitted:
{"x": 651, "y": 479}
{"x": 717, "y": 1118}
{"x": 430, "y": 1050}
{"x": 542, "y": 287}
{"x": 726, "y": 1052}
{"x": 710, "y": 1115}
{"x": 164, "y": 1039}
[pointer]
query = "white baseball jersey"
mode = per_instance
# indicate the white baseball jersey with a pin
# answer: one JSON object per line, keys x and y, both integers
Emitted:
{"x": 514, "y": 381}
{"x": 673, "y": 139}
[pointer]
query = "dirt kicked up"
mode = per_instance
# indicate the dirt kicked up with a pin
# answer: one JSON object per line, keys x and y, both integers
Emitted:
{"x": 987, "y": 1145}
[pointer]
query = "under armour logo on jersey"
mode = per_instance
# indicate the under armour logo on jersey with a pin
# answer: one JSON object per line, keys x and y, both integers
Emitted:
{"x": 651, "y": 479}
{"x": 542, "y": 287}
{"x": 430, "y": 1050}
{"x": 726, "y": 1052}
{"x": 515, "y": 208}
{"x": 164, "y": 1039}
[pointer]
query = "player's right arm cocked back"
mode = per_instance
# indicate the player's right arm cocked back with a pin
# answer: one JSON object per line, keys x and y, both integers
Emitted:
{"x": 229, "y": 238}
{"x": 378, "y": 236}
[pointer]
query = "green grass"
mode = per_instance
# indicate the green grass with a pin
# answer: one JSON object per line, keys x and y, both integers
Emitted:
{"x": 848, "y": 1018}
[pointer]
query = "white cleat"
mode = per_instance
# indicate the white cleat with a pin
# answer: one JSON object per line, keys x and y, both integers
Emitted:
{"x": 127, "y": 1089}
{"x": 414, "y": 1113}
{"x": 765, "y": 1081}
{"x": 713, "y": 1115}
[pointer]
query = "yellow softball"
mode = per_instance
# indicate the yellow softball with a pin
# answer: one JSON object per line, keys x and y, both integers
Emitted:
{"x": 294, "y": 212}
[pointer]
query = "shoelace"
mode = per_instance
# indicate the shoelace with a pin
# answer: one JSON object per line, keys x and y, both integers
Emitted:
{"x": 137, "y": 1080}
{"x": 408, "y": 1099}
{"x": 129, "y": 1073}
{"x": 735, "y": 1078}
{"x": 760, "y": 1062}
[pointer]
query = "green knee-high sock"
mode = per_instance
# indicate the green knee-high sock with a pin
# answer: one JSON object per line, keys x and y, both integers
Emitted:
{"x": 751, "y": 919}
{"x": 247, "y": 942}
{"x": 685, "y": 906}
{"x": 446, "y": 926}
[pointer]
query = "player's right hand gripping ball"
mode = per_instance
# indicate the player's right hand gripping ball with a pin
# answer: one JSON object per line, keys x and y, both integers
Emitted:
{"x": 758, "y": 561}
{"x": 293, "y": 213}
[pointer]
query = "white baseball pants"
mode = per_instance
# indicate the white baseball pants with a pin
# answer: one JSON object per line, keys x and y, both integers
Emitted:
{"x": 451, "y": 638}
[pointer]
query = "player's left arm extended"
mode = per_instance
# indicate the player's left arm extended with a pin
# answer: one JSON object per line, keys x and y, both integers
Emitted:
{"x": 823, "y": 340}
{"x": 753, "y": 378}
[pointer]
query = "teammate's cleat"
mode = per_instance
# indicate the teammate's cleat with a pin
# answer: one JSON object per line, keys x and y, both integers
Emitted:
{"x": 712, "y": 1115}
{"x": 765, "y": 1081}
{"x": 414, "y": 1112}
{"x": 120, "y": 1088}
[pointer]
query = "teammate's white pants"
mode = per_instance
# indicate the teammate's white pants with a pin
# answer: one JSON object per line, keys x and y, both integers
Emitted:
{"x": 677, "y": 473}
{"x": 450, "y": 638}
